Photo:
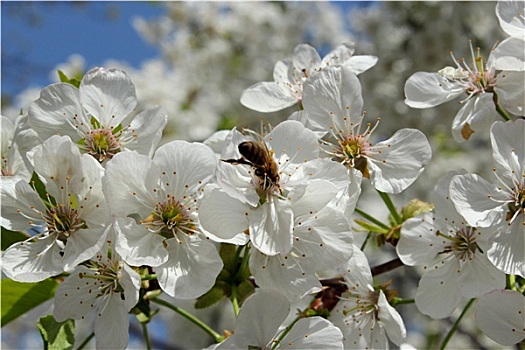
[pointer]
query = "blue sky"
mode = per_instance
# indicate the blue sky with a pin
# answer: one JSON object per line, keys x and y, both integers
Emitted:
{"x": 36, "y": 36}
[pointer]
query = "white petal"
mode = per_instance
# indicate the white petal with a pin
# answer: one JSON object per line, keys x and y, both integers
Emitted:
{"x": 400, "y": 162}
{"x": 438, "y": 294}
{"x": 56, "y": 112}
{"x": 191, "y": 268}
{"x": 58, "y": 163}
{"x": 508, "y": 248}
{"x": 338, "y": 56}
{"x": 360, "y": 64}
{"x": 478, "y": 276}
{"x": 266, "y": 97}
{"x": 32, "y": 261}
{"x": 322, "y": 240}
{"x": 313, "y": 333}
{"x": 333, "y": 99}
{"x": 138, "y": 246}
{"x": 511, "y": 16}
{"x": 470, "y": 194}
{"x": 394, "y": 326}
{"x": 186, "y": 167}
{"x": 112, "y": 324}
{"x": 418, "y": 244}
{"x": 130, "y": 282}
{"x": 501, "y": 316}
{"x": 300, "y": 147}
{"x": 21, "y": 206}
{"x": 317, "y": 194}
{"x": 222, "y": 215}
{"x": 508, "y": 55}
{"x": 75, "y": 296}
{"x": 426, "y": 90}
{"x": 507, "y": 145}
{"x": 511, "y": 91}
{"x": 282, "y": 276}
{"x": 145, "y": 131}
{"x": 306, "y": 57}
{"x": 258, "y": 321}
{"x": 108, "y": 95}
{"x": 82, "y": 245}
{"x": 356, "y": 272}
{"x": 271, "y": 227}
{"x": 444, "y": 207}
{"x": 478, "y": 114}
{"x": 129, "y": 184}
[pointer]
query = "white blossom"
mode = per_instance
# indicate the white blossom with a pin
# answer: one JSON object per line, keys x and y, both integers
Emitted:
{"x": 363, "y": 314}
{"x": 258, "y": 326}
{"x": 70, "y": 223}
{"x": 333, "y": 104}
{"x": 499, "y": 205}
{"x": 291, "y": 74}
{"x": 155, "y": 203}
{"x": 107, "y": 286}
{"x": 454, "y": 256}
{"x": 98, "y": 115}
{"x": 480, "y": 82}
{"x": 501, "y": 316}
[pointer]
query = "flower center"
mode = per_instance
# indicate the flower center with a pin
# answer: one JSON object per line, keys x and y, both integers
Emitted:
{"x": 518, "y": 205}
{"x": 463, "y": 245}
{"x": 107, "y": 274}
{"x": 63, "y": 221}
{"x": 170, "y": 217}
{"x": 352, "y": 152}
{"x": 101, "y": 144}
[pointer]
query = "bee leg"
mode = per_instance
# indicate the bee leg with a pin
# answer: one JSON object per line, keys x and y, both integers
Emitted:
{"x": 237, "y": 161}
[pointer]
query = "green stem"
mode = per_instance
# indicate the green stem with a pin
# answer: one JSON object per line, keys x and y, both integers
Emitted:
{"x": 371, "y": 219}
{"x": 235, "y": 302}
{"x": 366, "y": 241}
{"x": 148, "y": 277}
{"x": 511, "y": 282}
{"x": 285, "y": 332}
{"x": 399, "y": 301}
{"x": 216, "y": 336}
{"x": 85, "y": 342}
{"x": 391, "y": 207}
{"x": 456, "y": 324}
{"x": 146, "y": 335}
{"x": 500, "y": 110}
{"x": 245, "y": 260}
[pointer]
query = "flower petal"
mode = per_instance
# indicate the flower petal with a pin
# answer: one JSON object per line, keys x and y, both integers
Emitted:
{"x": 313, "y": 333}
{"x": 112, "y": 324}
{"x": 58, "y": 110}
{"x": 426, "y": 90}
{"x": 266, "y": 97}
{"x": 438, "y": 294}
{"x": 191, "y": 268}
{"x": 186, "y": 167}
{"x": 394, "y": 326}
{"x": 271, "y": 227}
{"x": 400, "y": 160}
{"x": 108, "y": 95}
{"x": 501, "y": 316}
{"x": 138, "y": 246}
{"x": 145, "y": 131}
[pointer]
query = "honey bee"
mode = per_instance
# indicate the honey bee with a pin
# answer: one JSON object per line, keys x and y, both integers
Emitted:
{"x": 257, "y": 155}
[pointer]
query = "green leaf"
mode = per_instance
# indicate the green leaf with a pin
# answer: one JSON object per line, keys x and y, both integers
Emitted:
{"x": 56, "y": 335}
{"x": 18, "y": 298}
{"x": 227, "y": 253}
{"x": 11, "y": 237}
{"x": 370, "y": 227}
{"x": 64, "y": 79}
{"x": 245, "y": 289}
{"x": 216, "y": 293}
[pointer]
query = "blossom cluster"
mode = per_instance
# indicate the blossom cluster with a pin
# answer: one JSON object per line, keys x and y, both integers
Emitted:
{"x": 259, "y": 216}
